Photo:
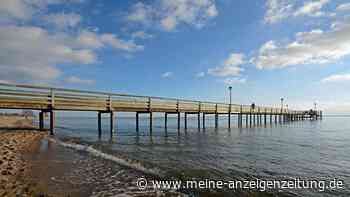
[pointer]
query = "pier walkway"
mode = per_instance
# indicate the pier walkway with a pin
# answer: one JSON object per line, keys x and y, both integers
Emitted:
{"x": 49, "y": 100}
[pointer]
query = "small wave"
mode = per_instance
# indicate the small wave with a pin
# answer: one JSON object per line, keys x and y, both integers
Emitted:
{"x": 98, "y": 153}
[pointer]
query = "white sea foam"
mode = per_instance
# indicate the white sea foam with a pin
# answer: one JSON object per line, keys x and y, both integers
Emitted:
{"x": 98, "y": 153}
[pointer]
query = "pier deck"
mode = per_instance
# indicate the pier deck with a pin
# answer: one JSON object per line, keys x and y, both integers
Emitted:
{"x": 49, "y": 99}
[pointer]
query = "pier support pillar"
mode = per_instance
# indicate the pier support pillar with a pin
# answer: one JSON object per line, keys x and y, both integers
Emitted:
{"x": 150, "y": 122}
{"x": 270, "y": 118}
{"x": 250, "y": 119}
{"x": 216, "y": 121}
{"x": 254, "y": 118}
{"x": 246, "y": 120}
{"x": 279, "y": 118}
{"x": 275, "y": 118}
{"x": 41, "y": 120}
{"x": 178, "y": 121}
{"x": 137, "y": 122}
{"x": 99, "y": 127}
{"x": 260, "y": 119}
{"x": 199, "y": 120}
{"x": 166, "y": 120}
{"x": 185, "y": 120}
{"x": 52, "y": 122}
{"x": 229, "y": 120}
{"x": 265, "y": 118}
{"x": 203, "y": 120}
{"x": 111, "y": 123}
{"x": 240, "y": 120}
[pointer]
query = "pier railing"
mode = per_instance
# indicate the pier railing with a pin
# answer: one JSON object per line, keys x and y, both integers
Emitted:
{"x": 17, "y": 96}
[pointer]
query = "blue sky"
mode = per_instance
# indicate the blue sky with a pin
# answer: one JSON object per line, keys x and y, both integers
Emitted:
{"x": 265, "y": 50}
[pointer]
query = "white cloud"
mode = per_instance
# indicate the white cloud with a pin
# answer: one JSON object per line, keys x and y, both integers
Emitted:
{"x": 15, "y": 9}
{"x": 89, "y": 39}
{"x": 169, "y": 14}
{"x": 32, "y": 53}
{"x": 141, "y": 35}
{"x": 343, "y": 7}
{"x": 311, "y": 47}
{"x": 200, "y": 74}
{"x": 235, "y": 59}
{"x": 140, "y": 12}
{"x": 337, "y": 78}
{"x": 77, "y": 80}
{"x": 278, "y": 10}
{"x": 167, "y": 74}
{"x": 25, "y": 9}
{"x": 117, "y": 43}
{"x": 235, "y": 80}
{"x": 230, "y": 67}
{"x": 63, "y": 20}
{"x": 311, "y": 8}
{"x": 92, "y": 40}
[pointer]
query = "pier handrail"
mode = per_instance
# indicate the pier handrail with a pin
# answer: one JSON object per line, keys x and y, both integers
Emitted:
{"x": 23, "y": 96}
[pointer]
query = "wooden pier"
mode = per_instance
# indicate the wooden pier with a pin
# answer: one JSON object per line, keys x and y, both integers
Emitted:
{"x": 48, "y": 100}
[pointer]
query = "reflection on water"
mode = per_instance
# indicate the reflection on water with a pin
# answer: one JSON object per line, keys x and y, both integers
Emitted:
{"x": 308, "y": 149}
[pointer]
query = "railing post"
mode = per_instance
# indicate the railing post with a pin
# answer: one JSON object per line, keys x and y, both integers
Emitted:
{"x": 149, "y": 104}
{"x": 177, "y": 106}
{"x": 52, "y": 98}
{"x": 110, "y": 107}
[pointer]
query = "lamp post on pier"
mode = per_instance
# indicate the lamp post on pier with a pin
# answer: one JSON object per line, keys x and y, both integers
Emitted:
{"x": 282, "y": 104}
{"x": 230, "y": 89}
{"x": 315, "y": 106}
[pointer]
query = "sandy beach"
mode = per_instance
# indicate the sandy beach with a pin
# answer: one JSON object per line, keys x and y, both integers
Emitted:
{"x": 17, "y": 136}
{"x": 33, "y": 165}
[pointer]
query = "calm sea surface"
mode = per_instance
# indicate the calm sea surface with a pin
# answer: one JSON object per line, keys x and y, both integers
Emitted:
{"x": 318, "y": 150}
